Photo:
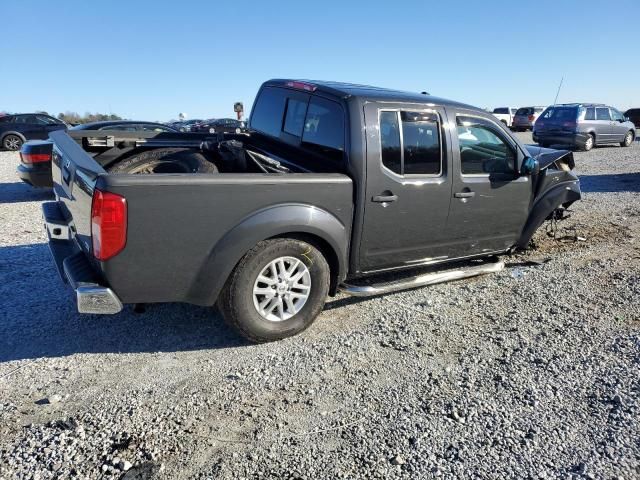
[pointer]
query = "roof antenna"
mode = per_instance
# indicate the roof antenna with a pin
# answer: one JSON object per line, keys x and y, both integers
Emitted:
{"x": 424, "y": 93}
{"x": 558, "y": 93}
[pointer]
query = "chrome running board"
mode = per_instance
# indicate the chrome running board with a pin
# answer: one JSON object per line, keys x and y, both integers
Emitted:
{"x": 420, "y": 280}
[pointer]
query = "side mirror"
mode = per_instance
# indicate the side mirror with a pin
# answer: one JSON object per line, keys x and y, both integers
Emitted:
{"x": 530, "y": 166}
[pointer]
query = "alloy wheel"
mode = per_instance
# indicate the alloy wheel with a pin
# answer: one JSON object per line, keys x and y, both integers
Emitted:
{"x": 282, "y": 289}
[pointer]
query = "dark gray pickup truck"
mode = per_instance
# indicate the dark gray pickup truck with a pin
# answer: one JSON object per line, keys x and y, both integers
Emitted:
{"x": 331, "y": 184}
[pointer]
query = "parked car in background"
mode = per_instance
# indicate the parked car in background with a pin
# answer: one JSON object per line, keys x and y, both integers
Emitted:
{"x": 219, "y": 125}
{"x": 505, "y": 115}
{"x": 187, "y": 124}
{"x": 525, "y": 117}
{"x": 17, "y": 128}
{"x": 583, "y": 125}
{"x": 127, "y": 126}
{"x": 633, "y": 114}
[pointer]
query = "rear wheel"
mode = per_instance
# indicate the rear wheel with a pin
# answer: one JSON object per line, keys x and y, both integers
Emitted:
{"x": 589, "y": 143}
{"x": 164, "y": 160}
{"x": 12, "y": 142}
{"x": 628, "y": 139}
{"x": 277, "y": 290}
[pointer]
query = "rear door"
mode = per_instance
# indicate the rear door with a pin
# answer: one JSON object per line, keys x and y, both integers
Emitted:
{"x": 408, "y": 189}
{"x": 490, "y": 201}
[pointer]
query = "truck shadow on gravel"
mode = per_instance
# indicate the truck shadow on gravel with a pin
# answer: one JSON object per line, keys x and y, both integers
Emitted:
{"x": 38, "y": 317}
{"x": 618, "y": 182}
{"x": 21, "y": 192}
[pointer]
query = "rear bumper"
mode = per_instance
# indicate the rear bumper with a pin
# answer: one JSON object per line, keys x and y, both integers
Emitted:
{"x": 556, "y": 138}
{"x": 73, "y": 266}
{"x": 36, "y": 175}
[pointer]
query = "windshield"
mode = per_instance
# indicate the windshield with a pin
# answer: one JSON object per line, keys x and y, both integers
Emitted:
{"x": 525, "y": 111}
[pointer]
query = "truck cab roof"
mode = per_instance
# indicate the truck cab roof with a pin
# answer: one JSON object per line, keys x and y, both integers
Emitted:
{"x": 365, "y": 92}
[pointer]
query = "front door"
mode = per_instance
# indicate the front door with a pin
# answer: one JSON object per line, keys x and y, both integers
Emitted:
{"x": 490, "y": 201}
{"x": 408, "y": 188}
{"x": 618, "y": 127}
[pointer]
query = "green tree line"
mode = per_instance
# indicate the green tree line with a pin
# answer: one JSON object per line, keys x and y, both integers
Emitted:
{"x": 74, "y": 118}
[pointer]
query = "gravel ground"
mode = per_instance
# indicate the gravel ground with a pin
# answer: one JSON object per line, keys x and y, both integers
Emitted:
{"x": 531, "y": 373}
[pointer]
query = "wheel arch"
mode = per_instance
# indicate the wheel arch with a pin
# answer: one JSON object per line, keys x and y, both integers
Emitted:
{"x": 305, "y": 222}
{"x": 12, "y": 132}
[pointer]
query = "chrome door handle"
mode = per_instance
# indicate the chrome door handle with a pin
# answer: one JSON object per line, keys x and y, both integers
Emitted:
{"x": 384, "y": 198}
{"x": 464, "y": 194}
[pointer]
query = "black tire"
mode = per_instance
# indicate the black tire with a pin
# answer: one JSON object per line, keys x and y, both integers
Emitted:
{"x": 164, "y": 160}
{"x": 628, "y": 139}
{"x": 12, "y": 142}
{"x": 236, "y": 301}
{"x": 588, "y": 144}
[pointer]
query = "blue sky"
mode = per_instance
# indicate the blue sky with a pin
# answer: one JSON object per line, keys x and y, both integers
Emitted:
{"x": 152, "y": 59}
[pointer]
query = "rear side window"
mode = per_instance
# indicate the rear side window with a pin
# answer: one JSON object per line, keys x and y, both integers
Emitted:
{"x": 602, "y": 114}
{"x": 590, "y": 114}
{"x": 501, "y": 111}
{"x": 410, "y": 143}
{"x": 324, "y": 128}
{"x": 483, "y": 148}
{"x": 268, "y": 113}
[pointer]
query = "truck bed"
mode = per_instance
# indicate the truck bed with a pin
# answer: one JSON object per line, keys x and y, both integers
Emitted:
{"x": 186, "y": 232}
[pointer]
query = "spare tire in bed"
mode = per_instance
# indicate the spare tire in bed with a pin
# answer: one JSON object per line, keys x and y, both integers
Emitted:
{"x": 164, "y": 160}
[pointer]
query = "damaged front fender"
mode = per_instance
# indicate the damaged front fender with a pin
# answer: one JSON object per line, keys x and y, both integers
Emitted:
{"x": 563, "y": 194}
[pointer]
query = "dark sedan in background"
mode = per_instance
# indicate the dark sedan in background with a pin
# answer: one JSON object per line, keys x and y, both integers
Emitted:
{"x": 16, "y": 129}
{"x": 127, "y": 126}
{"x": 35, "y": 156}
{"x": 219, "y": 125}
{"x": 633, "y": 114}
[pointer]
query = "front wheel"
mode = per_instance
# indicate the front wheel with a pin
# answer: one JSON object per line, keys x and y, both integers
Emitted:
{"x": 277, "y": 290}
{"x": 628, "y": 139}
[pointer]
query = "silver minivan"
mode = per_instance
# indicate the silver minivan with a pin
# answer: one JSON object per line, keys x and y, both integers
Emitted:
{"x": 583, "y": 125}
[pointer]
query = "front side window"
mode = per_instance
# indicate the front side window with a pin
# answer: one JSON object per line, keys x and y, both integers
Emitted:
{"x": 616, "y": 115}
{"x": 390, "y": 141}
{"x": 602, "y": 113}
{"x": 410, "y": 143}
{"x": 483, "y": 149}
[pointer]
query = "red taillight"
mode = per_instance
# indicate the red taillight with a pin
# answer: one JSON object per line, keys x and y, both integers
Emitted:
{"x": 302, "y": 86}
{"x": 531, "y": 118}
{"x": 108, "y": 224}
{"x": 34, "y": 157}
